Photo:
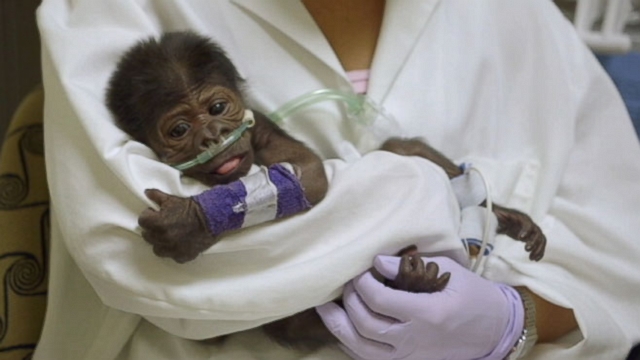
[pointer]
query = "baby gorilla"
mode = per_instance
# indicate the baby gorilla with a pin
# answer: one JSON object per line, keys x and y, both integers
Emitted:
{"x": 180, "y": 95}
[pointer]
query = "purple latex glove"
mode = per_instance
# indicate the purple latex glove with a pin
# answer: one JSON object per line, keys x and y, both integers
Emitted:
{"x": 472, "y": 318}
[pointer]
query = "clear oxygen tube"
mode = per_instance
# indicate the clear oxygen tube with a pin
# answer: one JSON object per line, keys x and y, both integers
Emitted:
{"x": 370, "y": 122}
{"x": 355, "y": 103}
{"x": 216, "y": 148}
{"x": 360, "y": 109}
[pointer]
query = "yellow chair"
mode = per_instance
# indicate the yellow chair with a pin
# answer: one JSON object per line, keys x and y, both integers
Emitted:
{"x": 24, "y": 231}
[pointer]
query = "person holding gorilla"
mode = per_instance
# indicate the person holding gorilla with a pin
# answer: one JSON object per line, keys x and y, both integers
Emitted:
{"x": 498, "y": 79}
{"x": 201, "y": 107}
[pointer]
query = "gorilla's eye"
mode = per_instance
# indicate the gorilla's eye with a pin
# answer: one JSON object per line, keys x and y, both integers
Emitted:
{"x": 217, "y": 108}
{"x": 179, "y": 130}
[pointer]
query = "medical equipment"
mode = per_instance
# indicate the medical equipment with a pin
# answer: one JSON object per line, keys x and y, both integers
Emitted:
{"x": 270, "y": 193}
{"x": 470, "y": 191}
{"x": 217, "y": 147}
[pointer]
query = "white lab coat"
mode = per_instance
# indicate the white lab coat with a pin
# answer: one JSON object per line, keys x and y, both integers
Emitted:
{"x": 504, "y": 84}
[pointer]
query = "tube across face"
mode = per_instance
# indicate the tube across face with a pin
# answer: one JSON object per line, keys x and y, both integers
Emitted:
{"x": 200, "y": 123}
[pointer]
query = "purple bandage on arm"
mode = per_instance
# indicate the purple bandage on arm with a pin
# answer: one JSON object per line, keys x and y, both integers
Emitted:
{"x": 268, "y": 194}
{"x": 291, "y": 198}
{"x": 223, "y": 206}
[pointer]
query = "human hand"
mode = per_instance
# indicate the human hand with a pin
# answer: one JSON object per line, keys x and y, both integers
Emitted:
{"x": 472, "y": 318}
{"x": 178, "y": 229}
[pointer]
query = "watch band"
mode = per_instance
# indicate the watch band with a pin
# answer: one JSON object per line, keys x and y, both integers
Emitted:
{"x": 529, "y": 336}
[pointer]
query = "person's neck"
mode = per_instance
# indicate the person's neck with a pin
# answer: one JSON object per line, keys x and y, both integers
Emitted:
{"x": 351, "y": 27}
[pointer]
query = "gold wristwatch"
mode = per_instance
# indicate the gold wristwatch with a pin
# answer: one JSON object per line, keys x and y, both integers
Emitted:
{"x": 529, "y": 335}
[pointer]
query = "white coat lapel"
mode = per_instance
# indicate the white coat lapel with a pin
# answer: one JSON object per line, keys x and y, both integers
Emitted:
{"x": 292, "y": 19}
{"x": 404, "y": 21}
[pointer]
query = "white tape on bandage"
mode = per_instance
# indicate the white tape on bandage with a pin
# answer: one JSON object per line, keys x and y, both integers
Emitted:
{"x": 469, "y": 189}
{"x": 262, "y": 198}
{"x": 289, "y": 167}
{"x": 473, "y": 220}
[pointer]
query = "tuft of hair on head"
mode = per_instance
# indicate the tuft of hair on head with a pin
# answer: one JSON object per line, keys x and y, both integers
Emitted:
{"x": 157, "y": 73}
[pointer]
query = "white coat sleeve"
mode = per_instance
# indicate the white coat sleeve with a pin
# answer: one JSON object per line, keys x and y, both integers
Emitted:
{"x": 595, "y": 213}
{"x": 592, "y": 221}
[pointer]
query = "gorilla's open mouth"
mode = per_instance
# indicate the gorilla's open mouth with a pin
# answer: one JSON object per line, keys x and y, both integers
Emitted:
{"x": 229, "y": 166}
